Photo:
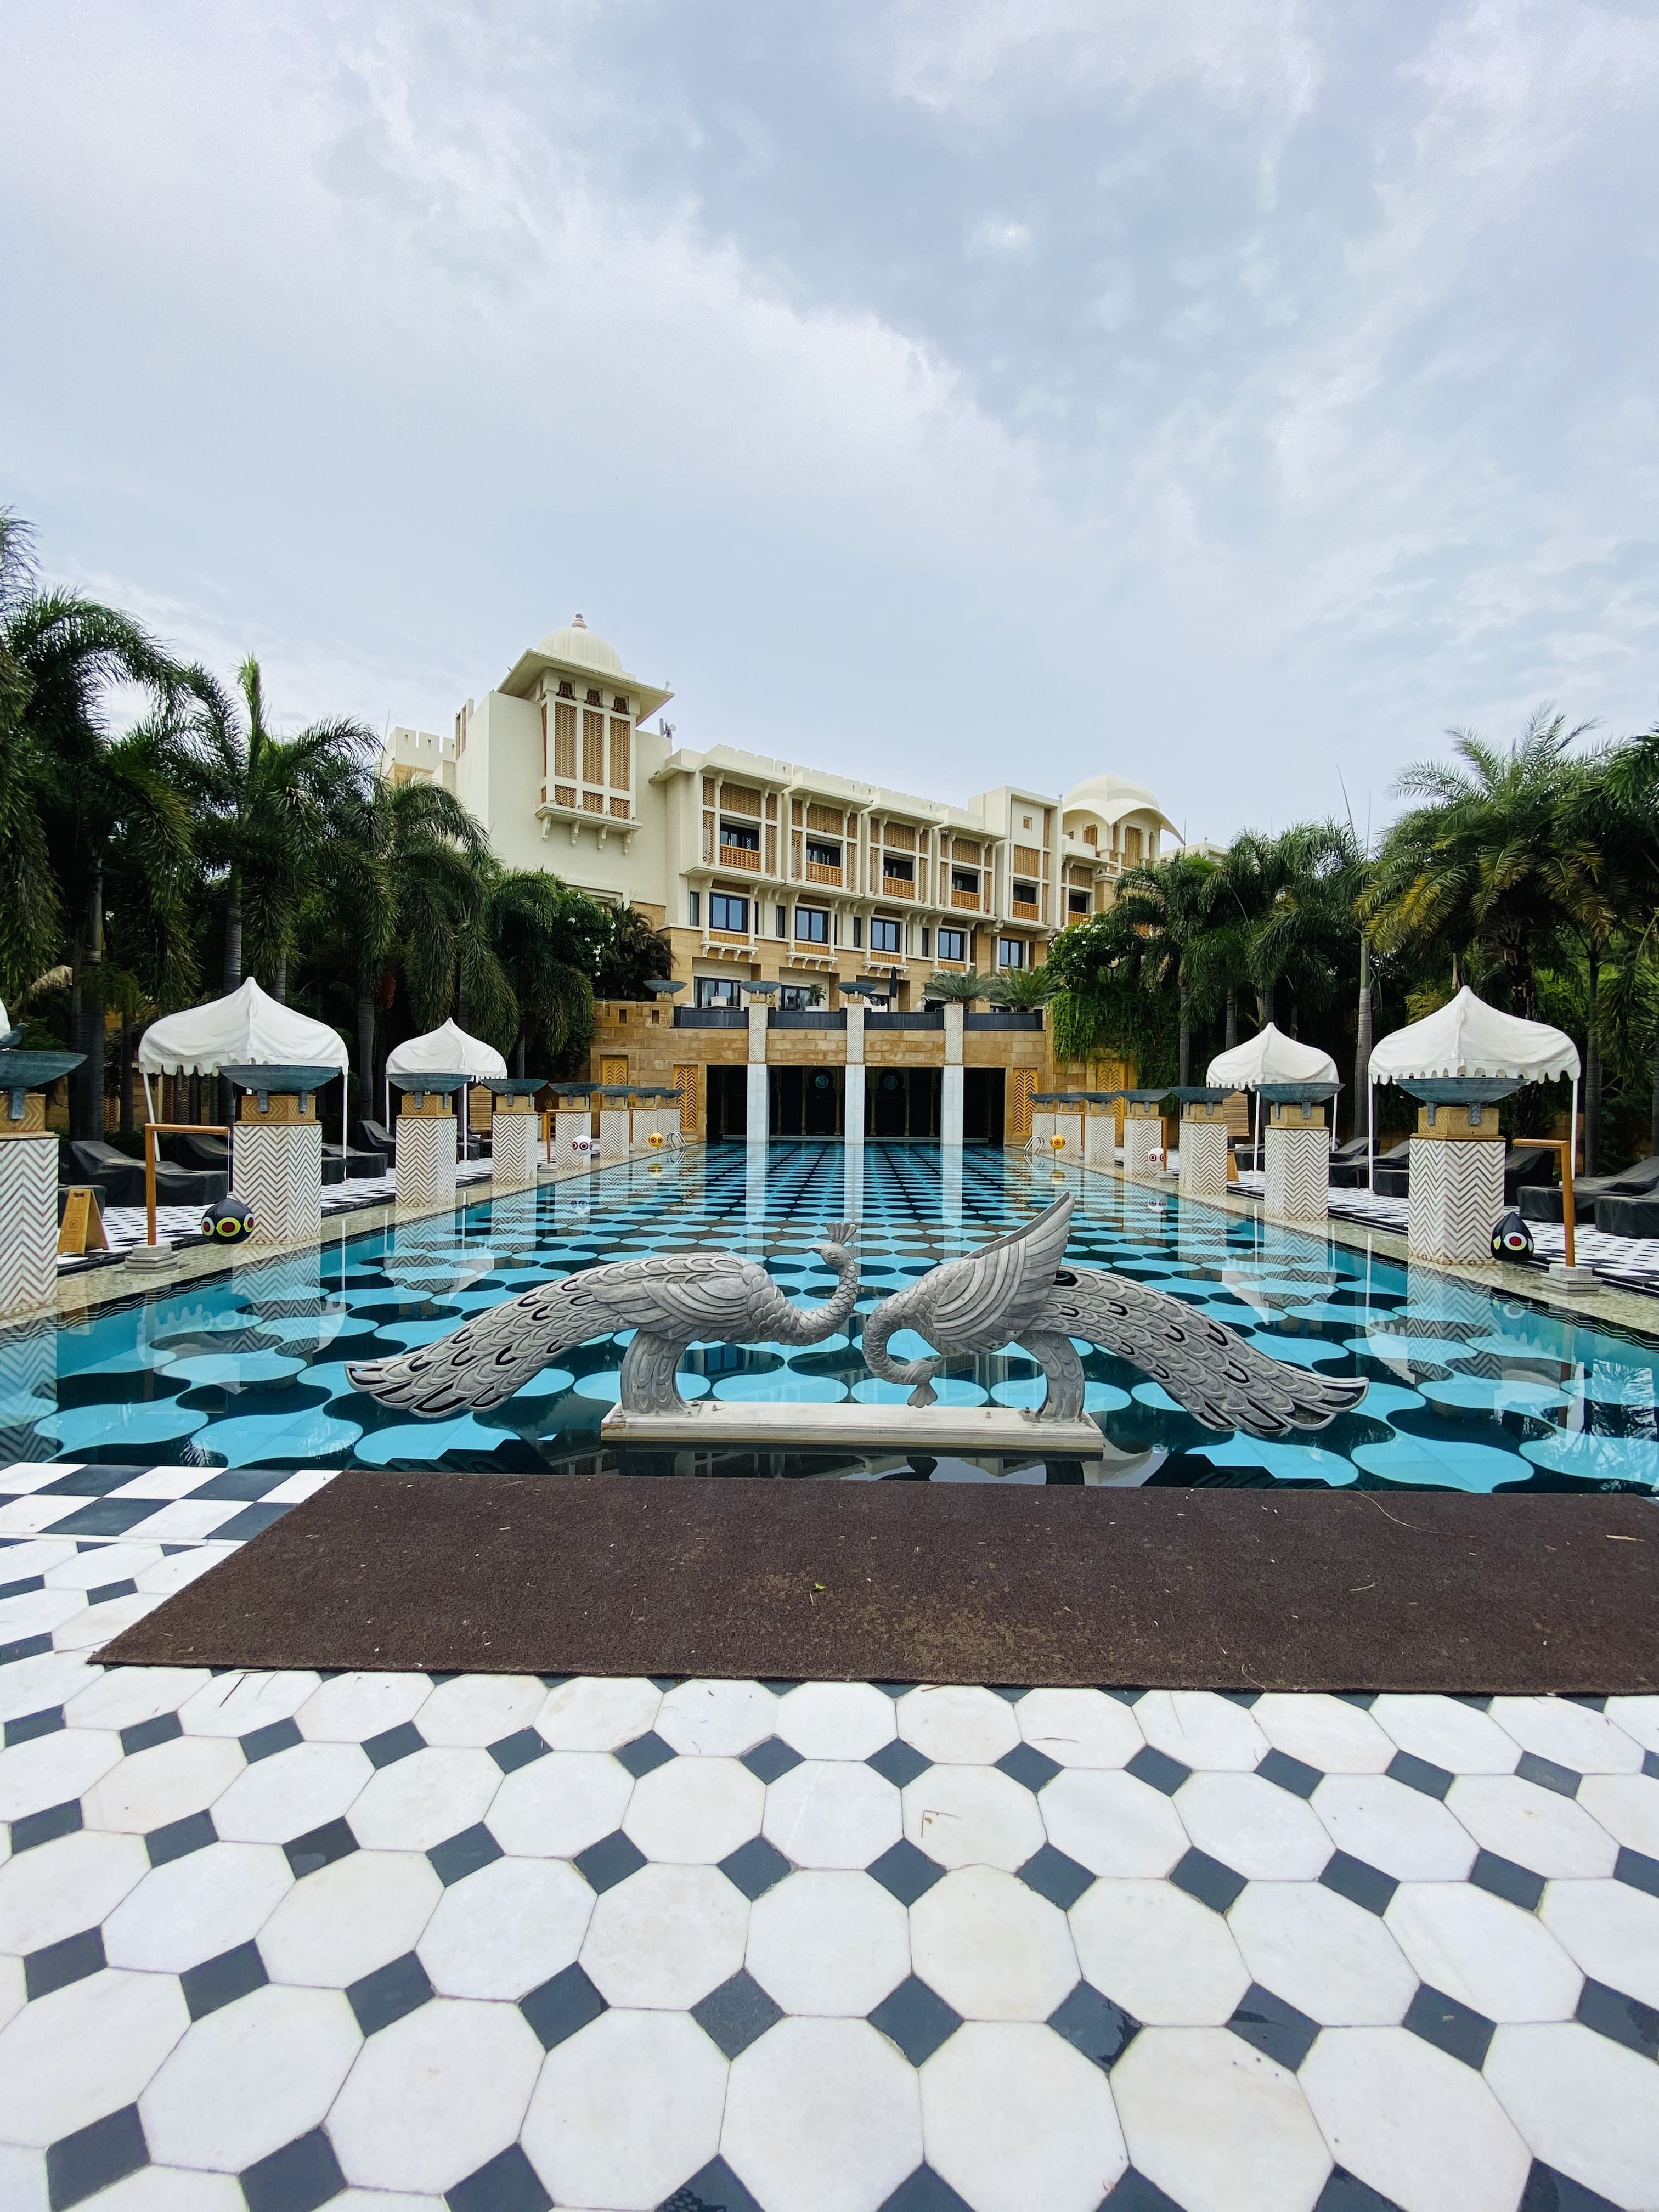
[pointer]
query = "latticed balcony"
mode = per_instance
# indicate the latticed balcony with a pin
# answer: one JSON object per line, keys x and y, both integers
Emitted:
{"x": 967, "y": 902}
{"x": 1025, "y": 910}
{"x": 740, "y": 856}
{"x": 819, "y": 872}
{"x": 895, "y": 887}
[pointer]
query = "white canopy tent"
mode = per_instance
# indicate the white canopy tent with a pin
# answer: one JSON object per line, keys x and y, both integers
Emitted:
{"x": 448, "y": 1050}
{"x": 1468, "y": 1037}
{"x": 247, "y": 1028}
{"x": 1270, "y": 1056}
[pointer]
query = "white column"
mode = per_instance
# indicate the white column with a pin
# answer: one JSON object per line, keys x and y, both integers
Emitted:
{"x": 425, "y": 1159}
{"x": 1298, "y": 1162}
{"x": 1100, "y": 1138}
{"x": 570, "y": 1122}
{"x": 28, "y": 1214}
{"x": 1456, "y": 1196}
{"x": 950, "y": 1083}
{"x": 1203, "y": 1159}
{"x": 515, "y": 1146}
{"x": 614, "y": 1133}
{"x": 760, "y": 1098}
{"x": 852, "y": 1109}
{"x": 277, "y": 1168}
{"x": 1142, "y": 1135}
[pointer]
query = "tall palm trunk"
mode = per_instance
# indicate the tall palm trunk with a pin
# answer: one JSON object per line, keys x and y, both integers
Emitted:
{"x": 233, "y": 931}
{"x": 520, "y": 1064}
{"x": 366, "y": 1094}
{"x": 86, "y": 1017}
{"x": 125, "y": 1077}
{"x": 1185, "y": 1025}
{"x": 1593, "y": 1068}
{"x": 1361, "y": 1046}
{"x": 279, "y": 980}
{"x": 1231, "y": 1035}
{"x": 1653, "y": 1125}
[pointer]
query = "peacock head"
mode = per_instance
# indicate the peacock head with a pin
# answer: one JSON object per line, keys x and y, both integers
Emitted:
{"x": 838, "y": 1246}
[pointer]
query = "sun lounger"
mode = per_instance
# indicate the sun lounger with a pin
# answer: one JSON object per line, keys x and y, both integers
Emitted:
{"x": 1542, "y": 1202}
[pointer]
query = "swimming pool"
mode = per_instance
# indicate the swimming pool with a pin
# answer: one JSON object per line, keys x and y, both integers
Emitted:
{"x": 1471, "y": 1389}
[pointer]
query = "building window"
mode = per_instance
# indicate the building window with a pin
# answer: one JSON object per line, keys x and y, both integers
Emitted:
{"x": 593, "y": 747}
{"x": 899, "y": 867}
{"x": 1026, "y": 893}
{"x": 858, "y": 933}
{"x": 567, "y": 689}
{"x": 716, "y": 990}
{"x": 1077, "y": 902}
{"x": 1090, "y": 834}
{"x": 820, "y": 855}
{"x": 725, "y": 912}
{"x": 953, "y": 944}
{"x": 740, "y": 834}
{"x": 796, "y": 998}
{"x": 924, "y": 943}
{"x": 595, "y": 699}
{"x": 564, "y": 741}
{"x": 622, "y": 752}
{"x": 883, "y": 935}
{"x": 783, "y": 921}
{"x": 1013, "y": 952}
{"x": 813, "y": 925}
{"x": 965, "y": 879}
{"x": 619, "y": 705}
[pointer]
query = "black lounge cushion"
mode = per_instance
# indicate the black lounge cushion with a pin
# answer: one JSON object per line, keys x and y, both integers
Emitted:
{"x": 1628, "y": 1216}
{"x": 90, "y": 1160}
{"x": 1640, "y": 1180}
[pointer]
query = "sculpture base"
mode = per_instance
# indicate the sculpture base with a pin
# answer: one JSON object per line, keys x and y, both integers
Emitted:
{"x": 992, "y": 1430}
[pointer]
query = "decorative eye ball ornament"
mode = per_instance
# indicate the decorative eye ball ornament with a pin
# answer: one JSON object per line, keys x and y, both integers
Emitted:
{"x": 583, "y": 1143}
{"x": 656, "y": 1140}
{"x": 1058, "y": 1142}
{"x": 229, "y": 1222}
{"x": 1511, "y": 1239}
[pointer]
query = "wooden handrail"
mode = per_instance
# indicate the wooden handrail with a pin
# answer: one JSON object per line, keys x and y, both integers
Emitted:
{"x": 1566, "y": 1146}
{"x": 152, "y": 1130}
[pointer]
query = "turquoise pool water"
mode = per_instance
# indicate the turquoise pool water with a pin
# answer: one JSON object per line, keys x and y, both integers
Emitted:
{"x": 1470, "y": 1389}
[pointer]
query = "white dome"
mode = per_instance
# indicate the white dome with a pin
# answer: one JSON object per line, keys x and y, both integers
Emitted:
{"x": 584, "y": 645}
{"x": 1109, "y": 796}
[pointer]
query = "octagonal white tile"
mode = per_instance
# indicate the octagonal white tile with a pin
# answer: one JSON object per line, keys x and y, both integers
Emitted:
{"x": 666, "y": 1938}
{"x": 832, "y": 1813}
{"x": 1327, "y": 1956}
{"x": 436, "y": 2095}
{"x": 1537, "y": 1828}
{"x": 292, "y": 1792}
{"x": 599, "y": 1713}
{"x": 954, "y": 1723}
{"x": 1158, "y": 1953}
{"x": 1078, "y": 1728}
{"x": 1585, "y": 2106}
{"x": 693, "y": 1811}
{"x": 419, "y": 1800}
{"x": 1638, "y": 1717}
{"x": 832, "y": 1943}
{"x": 121, "y": 1697}
{"x": 1483, "y": 1951}
{"x": 234, "y": 1704}
{"x": 1249, "y": 1824}
{"x": 1412, "y": 1837}
{"x": 1013, "y": 2116}
{"x": 557, "y": 1806}
{"x": 84, "y": 2051}
{"x": 836, "y": 1720}
{"x": 1201, "y": 1730}
{"x": 61, "y": 1887}
{"x": 626, "y": 2111}
{"x": 164, "y": 1784}
{"x": 822, "y": 2116}
{"x": 1627, "y": 1807}
{"x": 1112, "y": 1824}
{"x": 348, "y": 1918}
{"x": 50, "y": 1770}
{"x": 1572, "y": 1736}
{"x": 507, "y": 1929}
{"x": 193, "y": 1908}
{"x": 171, "y": 2188}
{"x": 249, "y": 2078}
{"x": 479, "y": 1708}
{"x": 991, "y": 1947}
{"x": 1610, "y": 1929}
{"x": 717, "y": 1719}
{"x": 349, "y": 1707}
{"x": 1325, "y": 1732}
{"x": 1447, "y": 1733}
{"x": 1216, "y": 2124}
{"x": 972, "y": 1816}
{"x": 1418, "y": 2126}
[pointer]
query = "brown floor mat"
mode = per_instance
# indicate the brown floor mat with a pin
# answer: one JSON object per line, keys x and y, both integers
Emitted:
{"x": 918, "y": 1582}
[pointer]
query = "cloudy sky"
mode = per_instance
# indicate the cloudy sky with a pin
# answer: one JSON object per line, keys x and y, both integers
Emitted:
{"x": 1224, "y": 392}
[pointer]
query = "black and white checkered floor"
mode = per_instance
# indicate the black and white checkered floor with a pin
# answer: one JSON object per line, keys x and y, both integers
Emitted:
{"x": 382, "y": 1941}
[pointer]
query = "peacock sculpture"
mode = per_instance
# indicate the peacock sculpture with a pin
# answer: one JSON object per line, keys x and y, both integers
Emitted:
{"x": 1011, "y": 1291}
{"x": 669, "y": 1301}
{"x": 1015, "y": 1290}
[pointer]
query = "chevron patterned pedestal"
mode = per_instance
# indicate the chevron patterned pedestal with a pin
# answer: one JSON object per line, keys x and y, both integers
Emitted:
{"x": 425, "y": 1163}
{"x": 1100, "y": 1140}
{"x": 1140, "y": 1140}
{"x": 614, "y": 1133}
{"x": 1203, "y": 1160}
{"x": 28, "y": 1224}
{"x": 278, "y": 1173}
{"x": 514, "y": 1148}
{"x": 1298, "y": 1159}
{"x": 568, "y": 1127}
{"x": 1456, "y": 1196}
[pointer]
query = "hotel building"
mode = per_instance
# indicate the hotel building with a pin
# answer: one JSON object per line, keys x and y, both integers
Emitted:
{"x": 764, "y": 873}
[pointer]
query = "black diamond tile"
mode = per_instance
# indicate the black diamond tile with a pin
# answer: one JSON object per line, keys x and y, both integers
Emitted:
{"x": 1547, "y": 2191}
{"x": 560, "y": 2006}
{"x": 716, "y": 2188}
{"x": 1451, "y": 2027}
{"x": 1271, "y": 2025}
{"x": 1158, "y": 1769}
{"x": 1621, "y": 2019}
{"x": 923, "y": 2191}
{"x": 25, "y": 1647}
{"x": 1092, "y": 2024}
{"x": 1359, "y": 1883}
{"x": 511, "y": 1752}
{"x": 143, "y": 1734}
{"x": 1479, "y": 1702}
{"x": 1245, "y": 1698}
{"x": 1026, "y": 1765}
{"x": 1638, "y": 1870}
{"x": 735, "y": 2014}
{"x": 1123, "y": 1697}
{"x": 457, "y": 1857}
{"x": 109, "y": 1516}
{"x": 1518, "y": 1884}
{"x": 22, "y": 1589}
{"x": 1590, "y": 1702}
{"x": 1134, "y": 2193}
{"x": 55, "y": 1965}
{"x": 87, "y": 1482}
{"x": 1363, "y": 1699}
{"x": 320, "y": 1847}
{"x": 394, "y": 1743}
{"x": 771, "y": 1758}
{"x": 219, "y": 1981}
{"x": 1208, "y": 1879}
{"x": 106, "y": 1592}
{"x": 755, "y": 1867}
{"x": 507, "y": 2184}
{"x": 266, "y": 1742}
{"x": 1548, "y": 1774}
{"x": 644, "y": 1753}
{"x": 1012, "y": 1690}
{"x": 1293, "y": 1774}
{"x": 610, "y": 1861}
{"x": 893, "y": 1689}
{"x": 1650, "y": 1764}
{"x": 916, "y": 2018}
{"x": 390, "y": 1992}
{"x": 899, "y": 1763}
{"x": 1346, "y": 2192}
{"x": 80, "y": 2164}
{"x": 299, "y": 2176}
{"x": 179, "y": 1837}
{"x": 251, "y": 1520}
{"x": 237, "y": 1486}
{"x": 1419, "y": 1774}
{"x": 666, "y": 1682}
{"x": 47, "y": 1826}
{"x": 1053, "y": 1875}
{"x": 781, "y": 1685}
{"x": 907, "y": 1872}
{"x": 27, "y": 1725}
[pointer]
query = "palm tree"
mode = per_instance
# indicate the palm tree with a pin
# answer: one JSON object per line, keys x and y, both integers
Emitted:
{"x": 1021, "y": 990}
{"x": 949, "y": 987}
{"x": 264, "y": 805}
{"x": 1630, "y": 778}
{"x": 1307, "y": 935}
{"x": 1165, "y": 912}
{"x": 543, "y": 936}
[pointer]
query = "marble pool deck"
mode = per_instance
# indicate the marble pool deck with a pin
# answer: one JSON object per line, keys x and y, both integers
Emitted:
{"x": 386, "y": 1942}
